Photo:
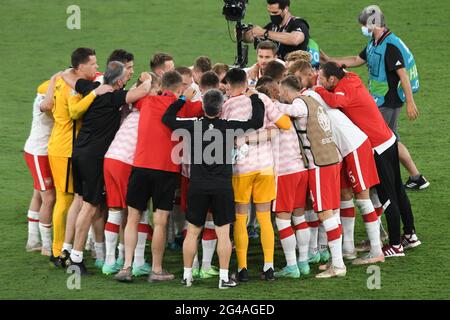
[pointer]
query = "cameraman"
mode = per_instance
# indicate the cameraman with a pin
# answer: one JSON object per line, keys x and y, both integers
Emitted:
{"x": 288, "y": 32}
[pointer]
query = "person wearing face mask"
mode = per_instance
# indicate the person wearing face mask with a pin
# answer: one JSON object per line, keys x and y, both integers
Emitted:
{"x": 393, "y": 78}
{"x": 288, "y": 32}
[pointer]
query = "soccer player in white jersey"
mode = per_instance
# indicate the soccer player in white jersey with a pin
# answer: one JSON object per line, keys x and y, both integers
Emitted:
{"x": 358, "y": 174}
{"x": 323, "y": 162}
{"x": 36, "y": 157}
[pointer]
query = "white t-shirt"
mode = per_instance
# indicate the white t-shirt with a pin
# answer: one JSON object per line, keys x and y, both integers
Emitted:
{"x": 41, "y": 128}
{"x": 346, "y": 135}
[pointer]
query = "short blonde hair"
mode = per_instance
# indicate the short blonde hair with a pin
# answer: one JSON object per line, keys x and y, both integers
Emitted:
{"x": 220, "y": 68}
{"x": 298, "y": 55}
{"x": 299, "y": 66}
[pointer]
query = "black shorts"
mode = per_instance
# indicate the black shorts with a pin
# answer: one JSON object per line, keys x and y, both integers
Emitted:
{"x": 156, "y": 184}
{"x": 220, "y": 203}
{"x": 88, "y": 179}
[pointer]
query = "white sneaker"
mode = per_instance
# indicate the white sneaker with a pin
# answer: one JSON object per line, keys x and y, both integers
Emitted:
{"x": 410, "y": 241}
{"x": 332, "y": 272}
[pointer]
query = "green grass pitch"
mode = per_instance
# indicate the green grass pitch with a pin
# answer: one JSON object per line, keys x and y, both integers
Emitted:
{"x": 35, "y": 43}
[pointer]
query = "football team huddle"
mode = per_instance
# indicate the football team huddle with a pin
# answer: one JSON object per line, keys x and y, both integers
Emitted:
{"x": 213, "y": 153}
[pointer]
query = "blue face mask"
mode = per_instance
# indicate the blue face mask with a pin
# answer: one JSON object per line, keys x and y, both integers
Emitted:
{"x": 366, "y": 33}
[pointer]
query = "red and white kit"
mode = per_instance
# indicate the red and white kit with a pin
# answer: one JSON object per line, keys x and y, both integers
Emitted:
{"x": 359, "y": 170}
{"x": 35, "y": 154}
{"x": 119, "y": 160}
{"x": 291, "y": 174}
{"x": 323, "y": 181}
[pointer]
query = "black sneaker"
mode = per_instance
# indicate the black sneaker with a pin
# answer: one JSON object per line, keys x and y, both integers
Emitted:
{"x": 267, "y": 275}
{"x": 56, "y": 262}
{"x": 242, "y": 275}
{"x": 419, "y": 184}
{"x": 227, "y": 284}
{"x": 187, "y": 282}
{"x": 65, "y": 255}
{"x": 79, "y": 267}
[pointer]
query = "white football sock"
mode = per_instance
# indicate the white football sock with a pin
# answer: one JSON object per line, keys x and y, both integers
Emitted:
{"x": 99, "y": 250}
{"x": 268, "y": 265}
{"x": 313, "y": 224}
{"x": 46, "y": 235}
{"x": 323, "y": 242}
{"x": 112, "y": 228}
{"x": 337, "y": 214}
{"x": 223, "y": 275}
{"x": 187, "y": 274}
{"x": 33, "y": 227}
{"x": 302, "y": 234}
{"x": 334, "y": 236}
{"x": 209, "y": 241}
{"x": 348, "y": 225}
{"x": 372, "y": 225}
{"x": 139, "y": 251}
{"x": 67, "y": 246}
{"x": 288, "y": 241}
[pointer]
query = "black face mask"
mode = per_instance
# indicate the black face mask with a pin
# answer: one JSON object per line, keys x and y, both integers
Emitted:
{"x": 277, "y": 19}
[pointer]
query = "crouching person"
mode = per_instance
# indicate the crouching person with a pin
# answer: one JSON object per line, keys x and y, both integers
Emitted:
{"x": 211, "y": 174}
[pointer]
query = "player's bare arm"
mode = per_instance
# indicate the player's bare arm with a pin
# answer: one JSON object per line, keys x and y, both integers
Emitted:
{"x": 47, "y": 103}
{"x": 141, "y": 91}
